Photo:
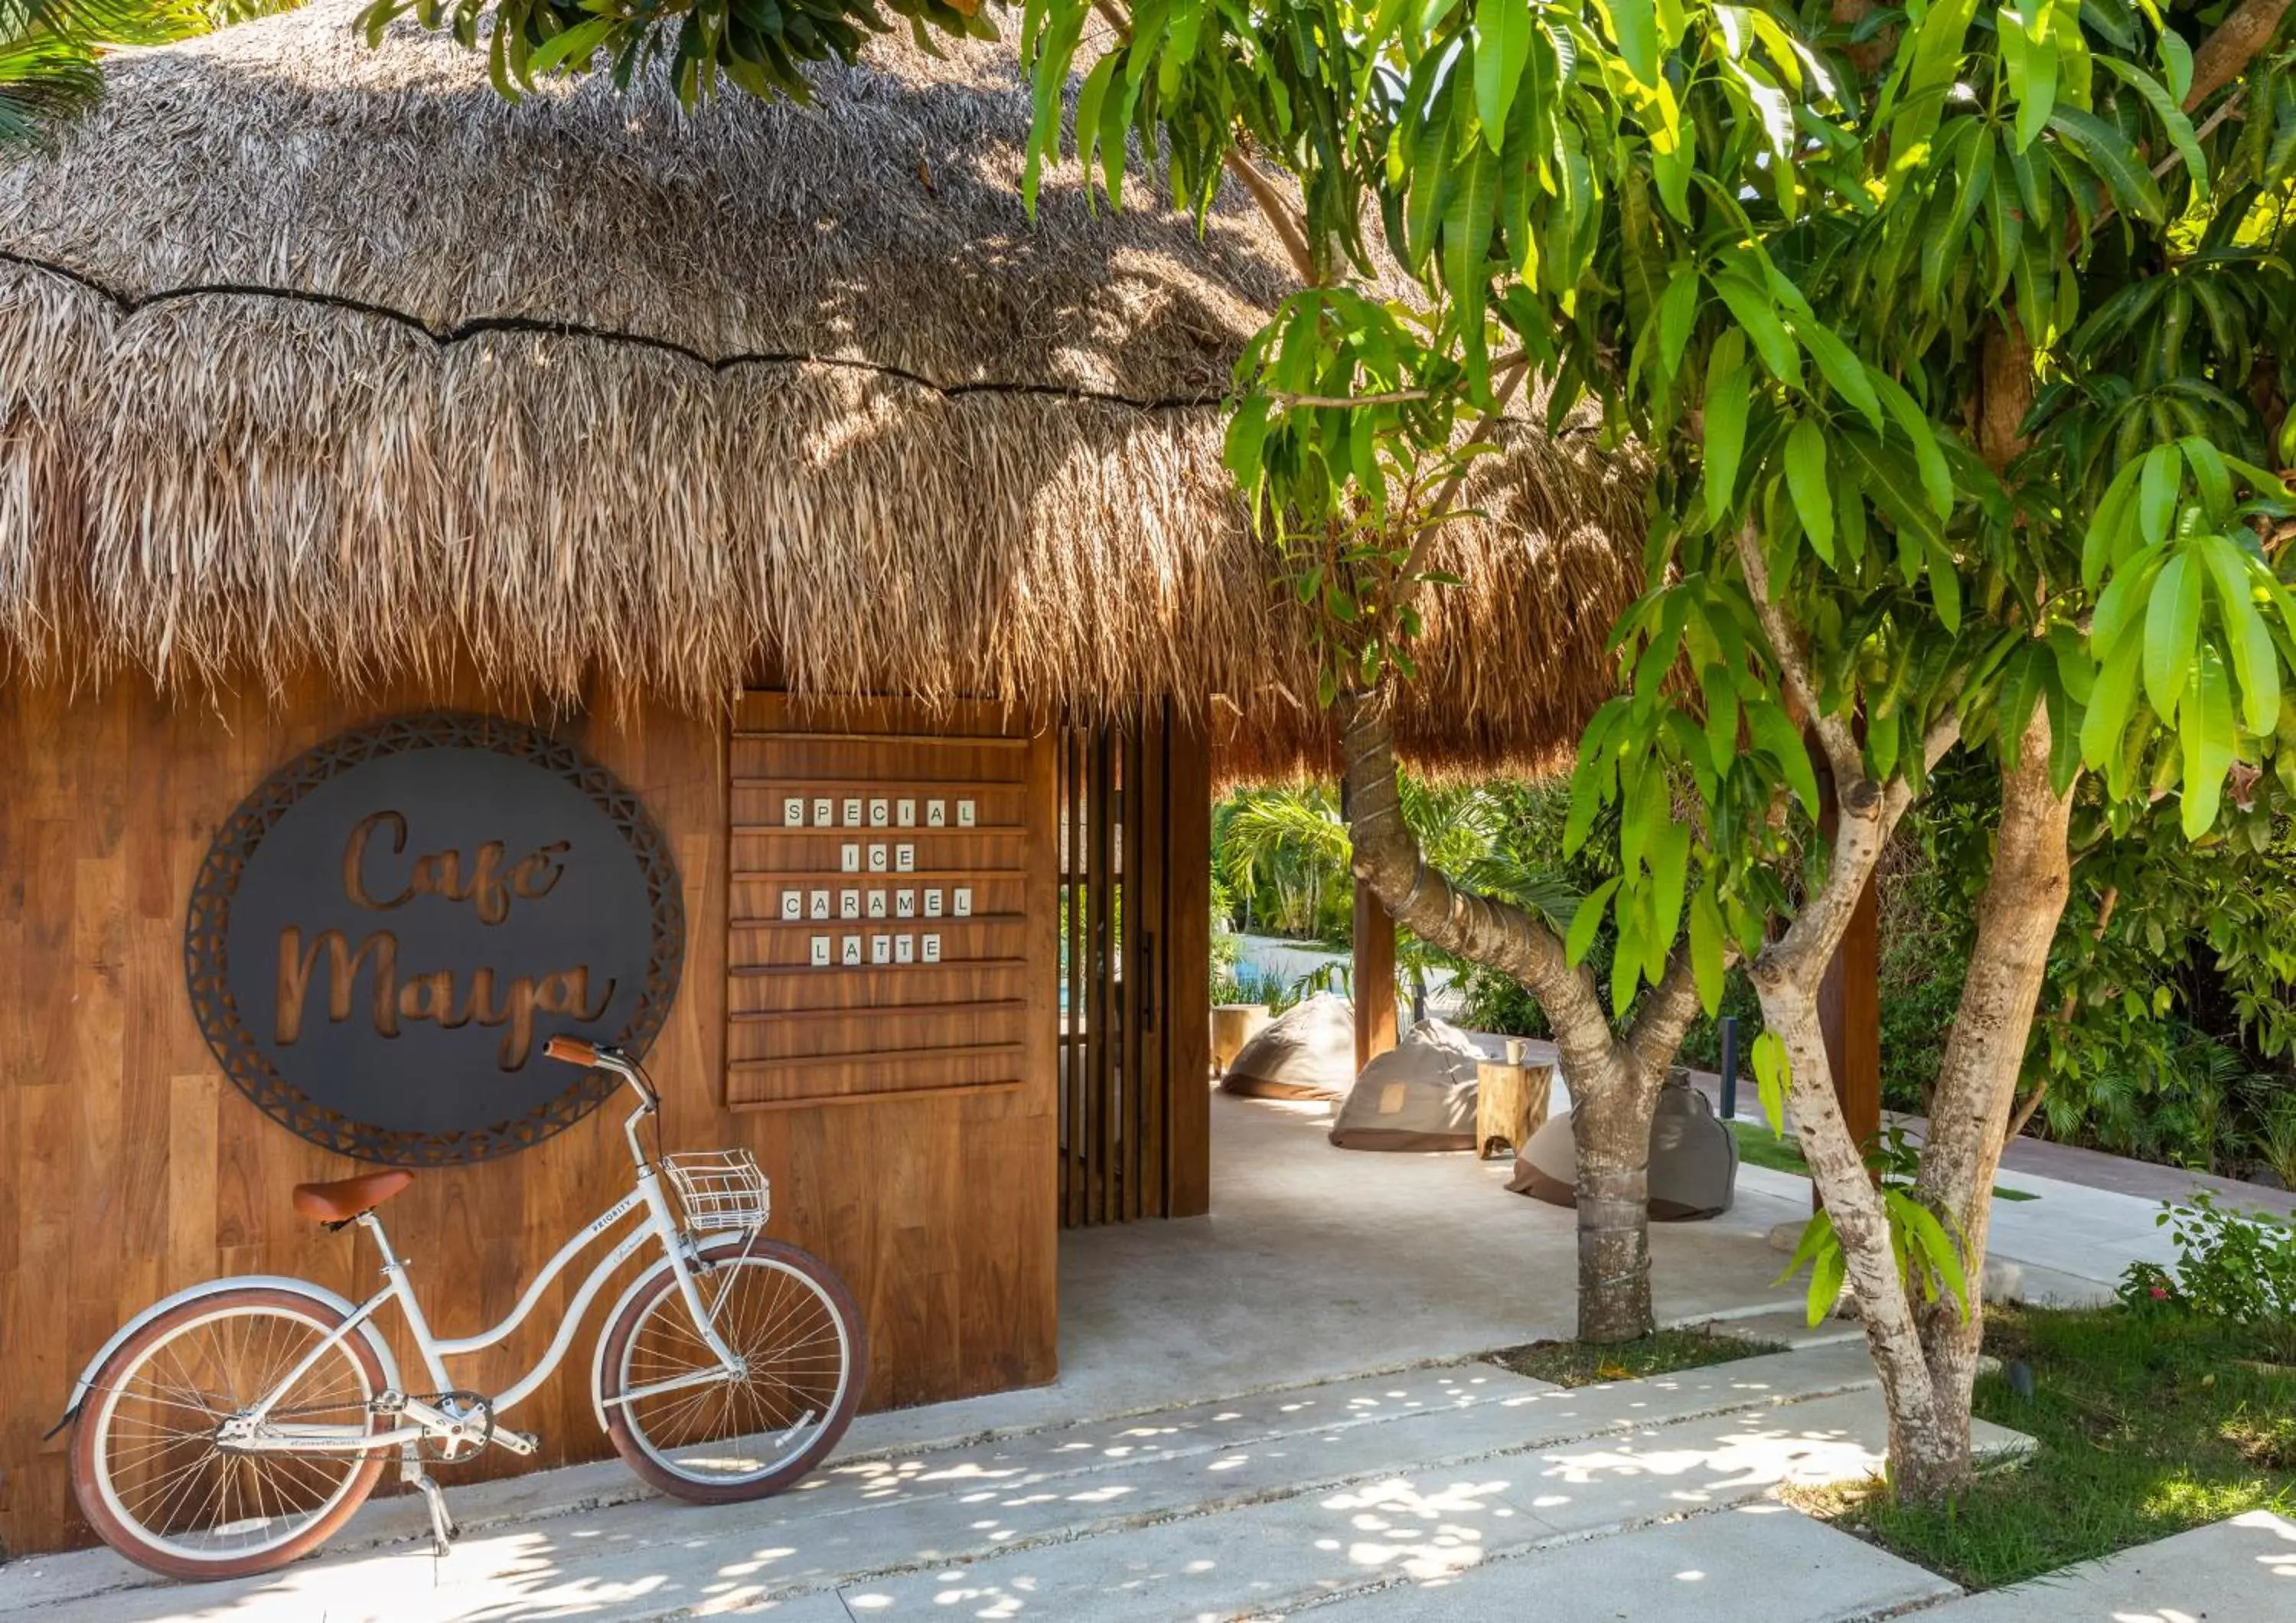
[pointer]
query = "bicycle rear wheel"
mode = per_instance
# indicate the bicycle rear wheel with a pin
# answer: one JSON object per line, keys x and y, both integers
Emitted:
{"x": 789, "y": 1319}
{"x": 147, "y": 1465}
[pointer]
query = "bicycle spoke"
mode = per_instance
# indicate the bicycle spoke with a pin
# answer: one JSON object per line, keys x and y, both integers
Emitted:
{"x": 176, "y": 1488}
{"x": 797, "y": 1360}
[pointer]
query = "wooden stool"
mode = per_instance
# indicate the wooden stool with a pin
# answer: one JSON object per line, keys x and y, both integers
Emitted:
{"x": 1510, "y": 1104}
{"x": 1234, "y": 1025}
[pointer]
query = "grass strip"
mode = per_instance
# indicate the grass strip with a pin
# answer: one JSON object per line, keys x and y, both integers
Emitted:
{"x": 2144, "y": 1425}
{"x": 1757, "y": 1146}
{"x": 1583, "y": 1363}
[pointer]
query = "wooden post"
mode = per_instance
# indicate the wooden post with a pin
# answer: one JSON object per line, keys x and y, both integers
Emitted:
{"x": 1850, "y": 996}
{"x": 1187, "y": 964}
{"x": 1374, "y": 977}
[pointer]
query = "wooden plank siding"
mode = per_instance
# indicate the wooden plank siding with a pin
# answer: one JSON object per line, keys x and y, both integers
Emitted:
{"x": 133, "y": 1168}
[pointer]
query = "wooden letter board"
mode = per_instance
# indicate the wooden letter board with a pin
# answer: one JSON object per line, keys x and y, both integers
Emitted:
{"x": 959, "y": 1010}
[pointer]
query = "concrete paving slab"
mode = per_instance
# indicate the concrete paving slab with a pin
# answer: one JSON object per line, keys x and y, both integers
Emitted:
{"x": 1252, "y": 1561}
{"x": 1757, "y": 1563}
{"x": 1267, "y": 1558}
{"x": 1707, "y": 1464}
{"x": 2242, "y": 1571}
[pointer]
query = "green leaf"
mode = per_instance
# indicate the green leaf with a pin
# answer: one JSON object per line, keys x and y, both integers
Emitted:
{"x": 1805, "y": 482}
{"x": 2021, "y": 683}
{"x": 1634, "y": 23}
{"x": 1670, "y": 865}
{"x": 2254, "y": 658}
{"x": 1677, "y": 310}
{"x": 1773, "y": 1070}
{"x": 1928, "y": 74}
{"x": 2172, "y": 628}
{"x": 2100, "y": 545}
{"x": 2126, "y": 594}
{"x": 2108, "y": 153}
{"x": 1945, "y": 586}
{"x": 1826, "y": 1271}
{"x": 1424, "y": 204}
{"x": 1721, "y": 692}
{"x": 1729, "y": 394}
{"x": 1467, "y": 215}
{"x": 1587, "y": 922}
{"x": 1921, "y": 437}
{"x": 1752, "y": 307}
{"x": 1706, "y": 943}
{"x": 2177, "y": 57}
{"x": 1503, "y": 29}
{"x": 2036, "y": 95}
{"x": 2159, "y": 484}
{"x": 1888, "y": 478}
{"x": 1778, "y": 738}
{"x": 2208, "y": 741}
{"x": 1847, "y": 374}
{"x": 2172, "y": 116}
{"x": 1925, "y": 1237}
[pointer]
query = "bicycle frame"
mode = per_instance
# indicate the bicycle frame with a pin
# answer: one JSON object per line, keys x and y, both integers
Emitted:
{"x": 254, "y": 1432}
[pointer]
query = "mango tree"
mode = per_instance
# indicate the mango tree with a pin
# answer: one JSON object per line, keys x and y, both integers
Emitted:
{"x": 1952, "y": 342}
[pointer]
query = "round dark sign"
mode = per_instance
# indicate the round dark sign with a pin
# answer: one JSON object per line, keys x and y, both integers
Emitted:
{"x": 388, "y": 930}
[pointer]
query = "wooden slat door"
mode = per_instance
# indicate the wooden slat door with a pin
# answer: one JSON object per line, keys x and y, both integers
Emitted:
{"x": 1135, "y": 971}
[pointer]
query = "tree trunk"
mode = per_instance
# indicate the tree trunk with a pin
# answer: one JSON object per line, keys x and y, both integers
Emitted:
{"x": 1612, "y": 1080}
{"x": 1977, "y": 1081}
{"x": 1854, "y": 1206}
{"x": 1610, "y": 1127}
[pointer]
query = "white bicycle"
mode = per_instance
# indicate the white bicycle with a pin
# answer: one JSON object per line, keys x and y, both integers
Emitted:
{"x": 232, "y": 1428}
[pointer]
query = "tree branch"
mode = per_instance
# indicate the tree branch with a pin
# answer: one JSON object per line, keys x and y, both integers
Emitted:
{"x": 2225, "y": 56}
{"x": 1512, "y": 370}
{"x": 1287, "y": 223}
{"x": 1840, "y": 746}
{"x": 1666, "y": 1013}
{"x": 1483, "y": 929}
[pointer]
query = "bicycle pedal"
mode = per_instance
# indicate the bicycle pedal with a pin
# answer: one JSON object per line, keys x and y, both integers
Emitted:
{"x": 520, "y": 1442}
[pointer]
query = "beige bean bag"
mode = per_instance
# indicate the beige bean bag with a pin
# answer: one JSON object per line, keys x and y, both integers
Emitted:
{"x": 1418, "y": 1095}
{"x": 1693, "y": 1159}
{"x": 1308, "y": 1052}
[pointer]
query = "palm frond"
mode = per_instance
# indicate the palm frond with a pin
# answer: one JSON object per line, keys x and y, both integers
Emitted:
{"x": 1528, "y": 883}
{"x": 51, "y": 55}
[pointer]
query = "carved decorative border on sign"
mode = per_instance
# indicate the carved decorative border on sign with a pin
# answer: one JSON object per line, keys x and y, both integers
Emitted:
{"x": 205, "y": 959}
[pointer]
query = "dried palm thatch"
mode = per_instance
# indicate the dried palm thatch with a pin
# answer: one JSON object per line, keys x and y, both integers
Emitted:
{"x": 319, "y": 357}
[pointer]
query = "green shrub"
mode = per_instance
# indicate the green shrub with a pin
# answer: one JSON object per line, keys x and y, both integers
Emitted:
{"x": 2238, "y": 1268}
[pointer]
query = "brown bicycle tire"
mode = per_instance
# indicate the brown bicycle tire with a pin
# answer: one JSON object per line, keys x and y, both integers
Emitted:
{"x": 126, "y": 1538}
{"x": 611, "y": 1349}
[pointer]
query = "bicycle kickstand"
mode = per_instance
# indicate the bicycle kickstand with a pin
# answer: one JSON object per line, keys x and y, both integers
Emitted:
{"x": 442, "y": 1525}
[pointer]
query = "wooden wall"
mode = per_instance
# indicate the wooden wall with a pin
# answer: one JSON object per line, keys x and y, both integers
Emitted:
{"x": 130, "y": 1167}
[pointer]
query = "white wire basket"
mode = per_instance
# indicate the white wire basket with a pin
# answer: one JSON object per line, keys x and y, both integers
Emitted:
{"x": 719, "y": 1189}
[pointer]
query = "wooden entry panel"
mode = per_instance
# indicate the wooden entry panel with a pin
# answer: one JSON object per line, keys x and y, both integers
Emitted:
{"x": 919, "y": 862}
{"x": 1134, "y": 877}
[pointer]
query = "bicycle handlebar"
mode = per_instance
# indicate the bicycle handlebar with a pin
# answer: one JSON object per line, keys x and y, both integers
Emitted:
{"x": 597, "y": 1056}
{"x": 573, "y": 1050}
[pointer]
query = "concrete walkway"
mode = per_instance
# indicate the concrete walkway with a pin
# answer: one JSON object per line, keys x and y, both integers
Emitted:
{"x": 1273, "y": 1409}
{"x": 1262, "y": 1507}
{"x": 2242, "y": 1571}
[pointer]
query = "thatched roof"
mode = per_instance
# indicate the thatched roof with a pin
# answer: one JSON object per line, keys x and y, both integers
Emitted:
{"x": 318, "y": 356}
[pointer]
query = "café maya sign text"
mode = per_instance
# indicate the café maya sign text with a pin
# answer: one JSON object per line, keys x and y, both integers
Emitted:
{"x": 379, "y": 878}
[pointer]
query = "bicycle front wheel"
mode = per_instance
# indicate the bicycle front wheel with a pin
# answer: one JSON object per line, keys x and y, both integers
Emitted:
{"x": 697, "y": 1434}
{"x": 154, "y": 1472}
